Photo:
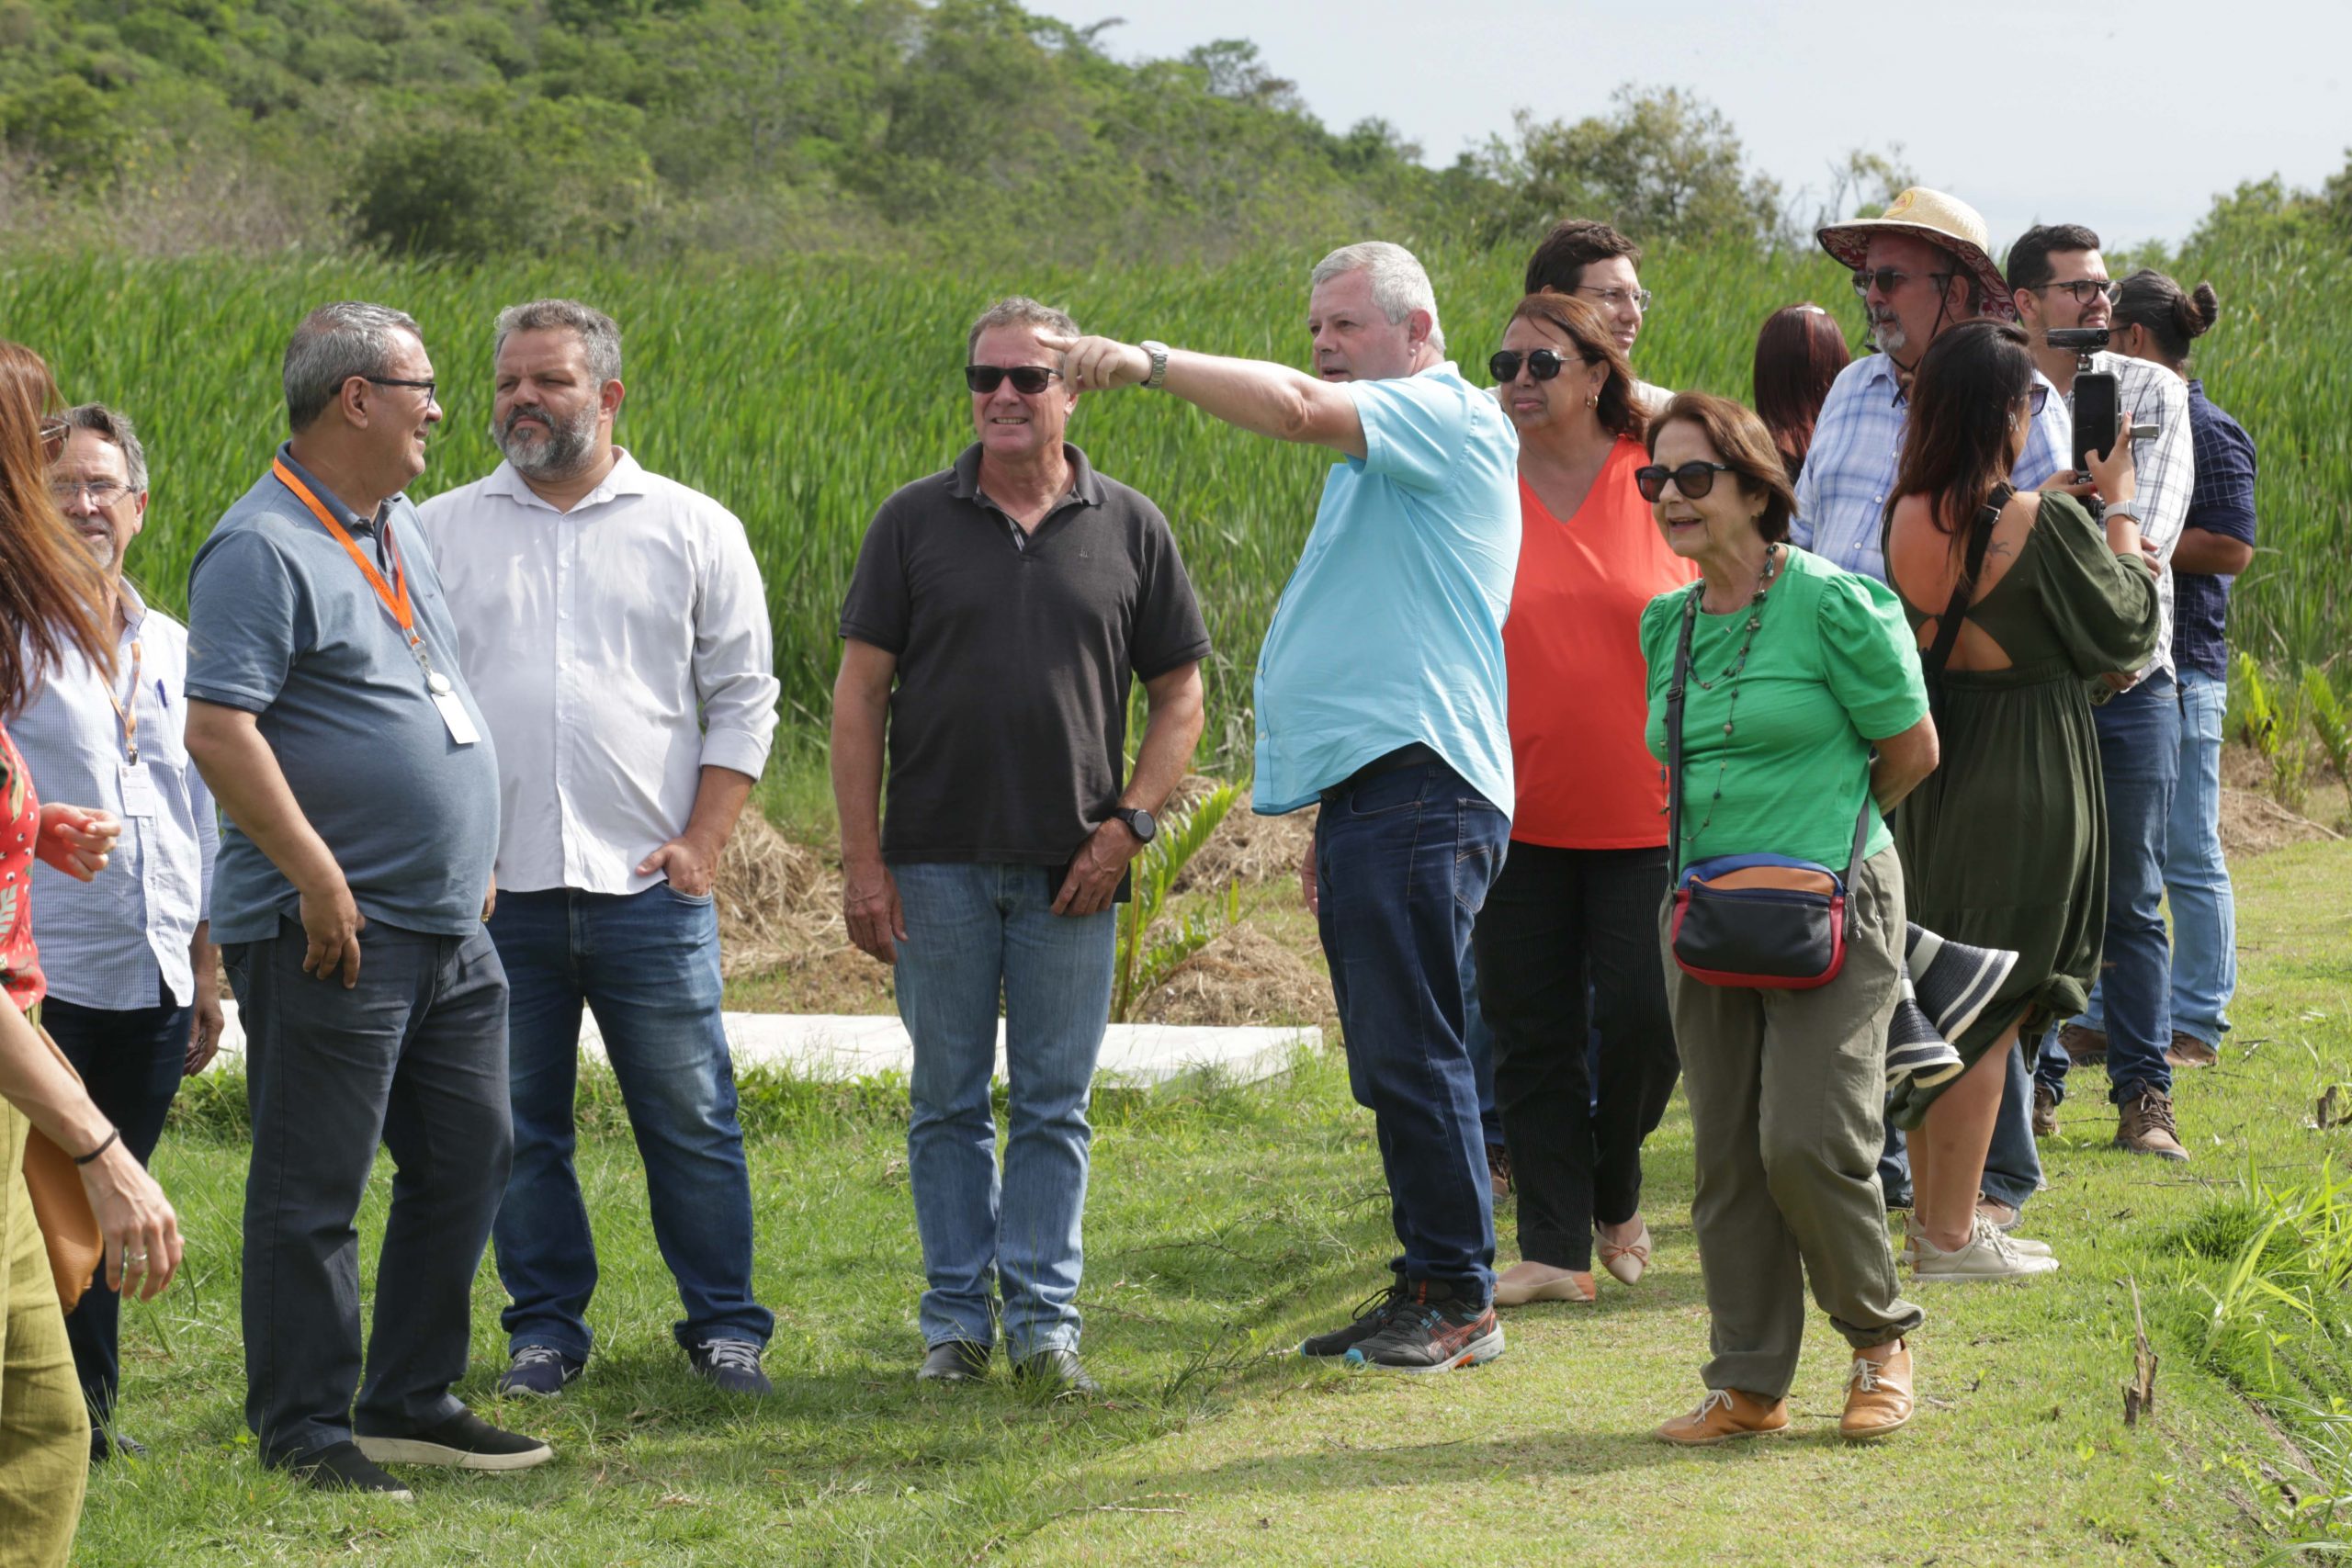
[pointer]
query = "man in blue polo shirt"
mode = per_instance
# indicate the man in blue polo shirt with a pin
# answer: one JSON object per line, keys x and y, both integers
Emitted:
{"x": 1380, "y": 694}
{"x": 329, "y": 716}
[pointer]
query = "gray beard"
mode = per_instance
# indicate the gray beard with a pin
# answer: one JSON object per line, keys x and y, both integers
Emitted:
{"x": 558, "y": 454}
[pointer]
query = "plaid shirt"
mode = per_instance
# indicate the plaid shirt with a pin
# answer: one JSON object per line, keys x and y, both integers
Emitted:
{"x": 2166, "y": 469}
{"x": 2221, "y": 501}
{"x": 1857, "y": 447}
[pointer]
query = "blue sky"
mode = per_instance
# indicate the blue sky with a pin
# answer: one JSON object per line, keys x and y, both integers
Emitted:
{"x": 2127, "y": 115}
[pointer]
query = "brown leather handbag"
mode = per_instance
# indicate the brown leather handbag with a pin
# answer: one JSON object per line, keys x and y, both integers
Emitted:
{"x": 61, "y": 1204}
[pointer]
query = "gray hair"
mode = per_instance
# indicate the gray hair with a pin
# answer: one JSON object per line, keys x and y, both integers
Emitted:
{"x": 333, "y": 343}
{"x": 1019, "y": 310}
{"x": 116, "y": 429}
{"x": 1399, "y": 286}
{"x": 600, "y": 335}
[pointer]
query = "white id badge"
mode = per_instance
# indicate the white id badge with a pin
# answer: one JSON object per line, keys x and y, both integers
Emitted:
{"x": 454, "y": 715}
{"x": 139, "y": 797}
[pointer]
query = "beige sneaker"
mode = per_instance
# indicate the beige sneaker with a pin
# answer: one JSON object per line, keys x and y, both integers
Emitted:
{"x": 1726, "y": 1413}
{"x": 1878, "y": 1396}
{"x": 1989, "y": 1255}
{"x": 2145, "y": 1125}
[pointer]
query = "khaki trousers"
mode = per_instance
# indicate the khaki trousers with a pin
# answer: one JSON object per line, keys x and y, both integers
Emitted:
{"x": 44, "y": 1427}
{"x": 1787, "y": 1091}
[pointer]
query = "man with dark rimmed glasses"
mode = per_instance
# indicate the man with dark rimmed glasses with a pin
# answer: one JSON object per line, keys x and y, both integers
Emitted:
{"x": 999, "y": 613}
{"x": 2060, "y": 280}
{"x": 1920, "y": 267}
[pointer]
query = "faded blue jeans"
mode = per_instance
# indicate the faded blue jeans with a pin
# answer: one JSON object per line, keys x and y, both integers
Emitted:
{"x": 2197, "y": 879}
{"x": 975, "y": 933}
{"x": 647, "y": 965}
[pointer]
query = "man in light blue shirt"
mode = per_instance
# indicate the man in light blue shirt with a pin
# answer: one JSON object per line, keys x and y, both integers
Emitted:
{"x": 128, "y": 953}
{"x": 1380, "y": 694}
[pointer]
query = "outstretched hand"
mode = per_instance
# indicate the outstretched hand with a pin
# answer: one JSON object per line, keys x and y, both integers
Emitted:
{"x": 1090, "y": 364}
{"x": 76, "y": 840}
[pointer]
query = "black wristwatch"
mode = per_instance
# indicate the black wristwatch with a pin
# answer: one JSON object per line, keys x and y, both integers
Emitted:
{"x": 1139, "y": 822}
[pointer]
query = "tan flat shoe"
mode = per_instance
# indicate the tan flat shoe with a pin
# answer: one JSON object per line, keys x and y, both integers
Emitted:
{"x": 1525, "y": 1282}
{"x": 1726, "y": 1413}
{"x": 1878, "y": 1396}
{"x": 1626, "y": 1262}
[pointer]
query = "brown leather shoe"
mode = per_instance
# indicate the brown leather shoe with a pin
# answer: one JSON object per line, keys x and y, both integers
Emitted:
{"x": 2187, "y": 1051}
{"x": 1995, "y": 1212}
{"x": 1524, "y": 1282}
{"x": 1725, "y": 1414}
{"x": 1878, "y": 1396}
{"x": 2046, "y": 1112}
{"x": 2083, "y": 1046}
{"x": 2145, "y": 1125}
{"x": 1498, "y": 1171}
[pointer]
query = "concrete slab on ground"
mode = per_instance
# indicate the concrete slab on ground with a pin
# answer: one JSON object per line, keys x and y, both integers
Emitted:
{"x": 838, "y": 1046}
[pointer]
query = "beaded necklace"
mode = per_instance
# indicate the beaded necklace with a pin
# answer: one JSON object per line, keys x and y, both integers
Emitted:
{"x": 1732, "y": 672}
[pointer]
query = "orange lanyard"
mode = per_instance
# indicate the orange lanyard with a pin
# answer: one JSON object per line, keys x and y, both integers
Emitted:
{"x": 393, "y": 594}
{"x": 130, "y": 715}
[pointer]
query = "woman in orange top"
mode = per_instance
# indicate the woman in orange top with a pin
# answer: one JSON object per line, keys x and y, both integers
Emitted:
{"x": 1567, "y": 942}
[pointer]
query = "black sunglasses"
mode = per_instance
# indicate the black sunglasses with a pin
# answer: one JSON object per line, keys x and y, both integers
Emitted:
{"x": 2037, "y": 398}
{"x": 1028, "y": 380}
{"x": 1542, "y": 364}
{"x": 1890, "y": 278}
{"x": 425, "y": 387}
{"x": 2083, "y": 289}
{"x": 1693, "y": 479}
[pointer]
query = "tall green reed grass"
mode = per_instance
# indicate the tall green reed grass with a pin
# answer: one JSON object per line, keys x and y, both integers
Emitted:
{"x": 801, "y": 395}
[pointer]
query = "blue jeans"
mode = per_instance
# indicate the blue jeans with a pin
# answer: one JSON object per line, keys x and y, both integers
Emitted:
{"x": 1479, "y": 1036}
{"x": 975, "y": 933}
{"x": 647, "y": 965}
{"x": 2012, "y": 1163}
{"x": 1402, "y": 862}
{"x": 2139, "y": 754}
{"x": 2197, "y": 879}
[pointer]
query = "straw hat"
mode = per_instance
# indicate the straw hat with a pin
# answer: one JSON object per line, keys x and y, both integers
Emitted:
{"x": 1940, "y": 219}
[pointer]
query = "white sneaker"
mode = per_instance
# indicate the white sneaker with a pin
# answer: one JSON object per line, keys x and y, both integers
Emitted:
{"x": 1989, "y": 1255}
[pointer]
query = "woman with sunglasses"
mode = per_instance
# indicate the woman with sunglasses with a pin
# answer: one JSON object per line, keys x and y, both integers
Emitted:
{"x": 1561, "y": 945}
{"x": 2006, "y": 846}
{"x": 1804, "y": 718}
{"x": 50, "y": 597}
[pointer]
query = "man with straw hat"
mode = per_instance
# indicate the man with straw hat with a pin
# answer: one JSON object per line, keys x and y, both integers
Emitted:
{"x": 1919, "y": 267}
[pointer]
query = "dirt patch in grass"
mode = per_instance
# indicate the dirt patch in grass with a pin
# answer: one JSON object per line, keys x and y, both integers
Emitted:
{"x": 1247, "y": 976}
{"x": 779, "y": 903}
{"x": 1246, "y": 848}
{"x": 2252, "y": 820}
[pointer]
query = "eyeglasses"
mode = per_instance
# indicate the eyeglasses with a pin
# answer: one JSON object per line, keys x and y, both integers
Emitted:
{"x": 1542, "y": 364}
{"x": 1027, "y": 379}
{"x": 1890, "y": 278}
{"x": 2037, "y": 398}
{"x": 2083, "y": 289}
{"x": 1616, "y": 297}
{"x": 53, "y": 437}
{"x": 100, "y": 495}
{"x": 1693, "y": 479}
{"x": 426, "y": 387}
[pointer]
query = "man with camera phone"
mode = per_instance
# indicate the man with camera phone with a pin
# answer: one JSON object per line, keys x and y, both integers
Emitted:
{"x": 2065, "y": 300}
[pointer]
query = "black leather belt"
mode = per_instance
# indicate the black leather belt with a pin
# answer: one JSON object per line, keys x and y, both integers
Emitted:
{"x": 1410, "y": 756}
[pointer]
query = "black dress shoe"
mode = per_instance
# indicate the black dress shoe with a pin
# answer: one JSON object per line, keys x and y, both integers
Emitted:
{"x": 341, "y": 1467}
{"x": 954, "y": 1360}
{"x": 1060, "y": 1368}
{"x": 103, "y": 1447}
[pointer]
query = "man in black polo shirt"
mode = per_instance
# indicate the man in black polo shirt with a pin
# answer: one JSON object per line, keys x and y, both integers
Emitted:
{"x": 997, "y": 611}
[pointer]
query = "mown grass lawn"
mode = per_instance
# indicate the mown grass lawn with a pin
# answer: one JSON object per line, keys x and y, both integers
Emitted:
{"x": 1221, "y": 1225}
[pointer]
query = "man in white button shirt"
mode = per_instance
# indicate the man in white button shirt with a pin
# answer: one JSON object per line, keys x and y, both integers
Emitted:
{"x": 132, "y": 1001}
{"x": 615, "y": 635}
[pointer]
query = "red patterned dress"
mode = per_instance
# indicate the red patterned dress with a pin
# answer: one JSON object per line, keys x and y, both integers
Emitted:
{"x": 19, "y": 829}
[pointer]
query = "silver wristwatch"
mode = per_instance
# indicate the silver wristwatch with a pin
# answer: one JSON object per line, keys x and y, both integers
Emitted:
{"x": 1158, "y": 352}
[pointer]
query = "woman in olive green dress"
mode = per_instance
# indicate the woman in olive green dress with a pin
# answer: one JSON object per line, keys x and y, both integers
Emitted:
{"x": 2006, "y": 844}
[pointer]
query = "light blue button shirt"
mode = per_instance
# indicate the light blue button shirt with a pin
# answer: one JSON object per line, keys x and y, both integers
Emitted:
{"x": 1391, "y": 630}
{"x": 1857, "y": 447}
{"x": 121, "y": 939}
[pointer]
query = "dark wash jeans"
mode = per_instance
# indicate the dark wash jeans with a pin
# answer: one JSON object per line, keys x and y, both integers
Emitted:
{"x": 1403, "y": 859}
{"x": 1568, "y": 947}
{"x": 413, "y": 1057}
{"x": 132, "y": 1061}
{"x": 647, "y": 965}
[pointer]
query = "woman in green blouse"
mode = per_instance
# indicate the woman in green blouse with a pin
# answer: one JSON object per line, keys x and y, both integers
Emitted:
{"x": 1804, "y": 696}
{"x": 2007, "y": 845}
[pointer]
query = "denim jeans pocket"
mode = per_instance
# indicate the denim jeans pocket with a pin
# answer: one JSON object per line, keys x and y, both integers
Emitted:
{"x": 1397, "y": 790}
{"x": 1480, "y": 845}
{"x": 697, "y": 901}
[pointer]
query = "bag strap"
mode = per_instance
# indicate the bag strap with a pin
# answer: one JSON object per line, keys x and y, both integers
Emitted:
{"x": 1979, "y": 535}
{"x": 1674, "y": 735}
